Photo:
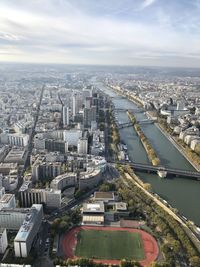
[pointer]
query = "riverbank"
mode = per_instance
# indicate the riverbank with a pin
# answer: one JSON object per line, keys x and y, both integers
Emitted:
{"x": 153, "y": 158}
{"x": 188, "y": 229}
{"x": 180, "y": 149}
{"x": 159, "y": 126}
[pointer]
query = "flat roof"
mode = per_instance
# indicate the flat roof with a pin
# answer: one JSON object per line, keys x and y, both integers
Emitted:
{"x": 64, "y": 176}
{"x": 104, "y": 195}
{"x": 121, "y": 206}
{"x": 6, "y": 198}
{"x": 28, "y": 223}
{"x": 88, "y": 218}
{"x": 97, "y": 207}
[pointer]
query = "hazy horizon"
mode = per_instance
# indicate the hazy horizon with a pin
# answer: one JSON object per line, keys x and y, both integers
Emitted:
{"x": 146, "y": 33}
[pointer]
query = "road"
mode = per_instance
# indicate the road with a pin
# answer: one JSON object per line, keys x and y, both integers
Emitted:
{"x": 110, "y": 175}
{"x": 30, "y": 143}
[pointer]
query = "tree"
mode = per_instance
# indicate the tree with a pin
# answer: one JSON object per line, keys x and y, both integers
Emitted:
{"x": 125, "y": 263}
{"x": 148, "y": 187}
{"x": 195, "y": 261}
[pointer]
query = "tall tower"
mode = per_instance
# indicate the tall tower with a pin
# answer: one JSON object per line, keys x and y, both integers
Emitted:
{"x": 74, "y": 105}
{"x": 65, "y": 117}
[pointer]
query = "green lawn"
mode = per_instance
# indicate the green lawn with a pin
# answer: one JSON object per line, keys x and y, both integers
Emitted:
{"x": 109, "y": 245}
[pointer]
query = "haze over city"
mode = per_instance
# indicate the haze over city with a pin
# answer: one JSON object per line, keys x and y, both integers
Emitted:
{"x": 123, "y": 32}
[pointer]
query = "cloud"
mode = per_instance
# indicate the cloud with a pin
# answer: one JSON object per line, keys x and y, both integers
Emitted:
{"x": 97, "y": 32}
{"x": 148, "y": 3}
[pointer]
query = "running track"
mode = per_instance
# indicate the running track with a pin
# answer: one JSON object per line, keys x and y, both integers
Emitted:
{"x": 150, "y": 245}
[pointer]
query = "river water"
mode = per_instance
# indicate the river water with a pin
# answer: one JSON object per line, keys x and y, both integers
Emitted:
{"x": 183, "y": 194}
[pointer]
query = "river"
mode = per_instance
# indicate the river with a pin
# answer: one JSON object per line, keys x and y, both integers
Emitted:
{"x": 183, "y": 194}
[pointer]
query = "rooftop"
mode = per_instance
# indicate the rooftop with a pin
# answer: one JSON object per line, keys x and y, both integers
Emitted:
{"x": 104, "y": 195}
{"x": 6, "y": 198}
{"x": 28, "y": 223}
{"x": 97, "y": 207}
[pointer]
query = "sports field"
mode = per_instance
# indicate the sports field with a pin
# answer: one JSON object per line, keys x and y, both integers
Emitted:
{"x": 109, "y": 245}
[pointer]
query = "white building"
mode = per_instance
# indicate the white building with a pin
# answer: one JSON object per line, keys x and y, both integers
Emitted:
{"x": 12, "y": 218}
{"x": 53, "y": 198}
{"x": 90, "y": 178}
{"x": 39, "y": 142}
{"x": 64, "y": 180}
{"x": 74, "y": 105}
{"x": 27, "y": 232}
{"x": 14, "y": 139}
{"x": 29, "y": 196}
{"x": 72, "y": 136}
{"x": 3, "y": 240}
{"x": 7, "y": 201}
{"x": 82, "y": 146}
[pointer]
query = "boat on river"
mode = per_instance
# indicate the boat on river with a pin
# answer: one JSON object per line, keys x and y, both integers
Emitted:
{"x": 162, "y": 173}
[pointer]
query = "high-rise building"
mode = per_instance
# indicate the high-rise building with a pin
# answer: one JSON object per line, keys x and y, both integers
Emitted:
{"x": 14, "y": 139}
{"x": 53, "y": 198}
{"x": 65, "y": 116}
{"x": 82, "y": 147}
{"x": 74, "y": 105}
{"x": 29, "y": 196}
{"x": 89, "y": 115}
{"x": 3, "y": 240}
{"x": 43, "y": 170}
{"x": 72, "y": 136}
{"x": 56, "y": 145}
{"x": 12, "y": 218}
{"x": 27, "y": 232}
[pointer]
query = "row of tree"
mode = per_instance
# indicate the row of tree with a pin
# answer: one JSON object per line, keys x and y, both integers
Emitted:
{"x": 176, "y": 245}
{"x": 147, "y": 146}
{"x": 84, "y": 262}
{"x": 114, "y": 137}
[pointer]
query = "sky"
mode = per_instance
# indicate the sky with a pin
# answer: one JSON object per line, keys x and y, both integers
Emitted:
{"x": 103, "y": 32}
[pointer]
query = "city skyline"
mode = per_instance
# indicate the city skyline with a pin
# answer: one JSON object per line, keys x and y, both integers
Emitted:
{"x": 149, "y": 32}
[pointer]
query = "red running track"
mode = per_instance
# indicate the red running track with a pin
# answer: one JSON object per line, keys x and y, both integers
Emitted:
{"x": 150, "y": 245}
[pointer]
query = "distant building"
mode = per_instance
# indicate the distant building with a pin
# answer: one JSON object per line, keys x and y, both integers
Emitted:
{"x": 43, "y": 170}
{"x": 64, "y": 180}
{"x": 14, "y": 139}
{"x": 4, "y": 149}
{"x": 53, "y": 198}
{"x": 104, "y": 196}
{"x": 3, "y": 240}
{"x": 65, "y": 116}
{"x": 74, "y": 105}
{"x": 82, "y": 146}
{"x": 6, "y": 168}
{"x": 8, "y": 201}
{"x": 56, "y": 145}
{"x": 93, "y": 213}
{"x": 90, "y": 178}
{"x": 29, "y": 196}
{"x": 16, "y": 155}
{"x": 89, "y": 115}
{"x": 27, "y": 232}
{"x": 72, "y": 136}
{"x": 12, "y": 219}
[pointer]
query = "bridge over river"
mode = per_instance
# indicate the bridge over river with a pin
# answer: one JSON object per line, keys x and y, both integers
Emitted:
{"x": 137, "y": 110}
{"x": 154, "y": 169}
{"x": 129, "y": 124}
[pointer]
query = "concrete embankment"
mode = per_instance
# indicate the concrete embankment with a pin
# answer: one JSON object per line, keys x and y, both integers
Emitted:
{"x": 185, "y": 227}
{"x": 180, "y": 149}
